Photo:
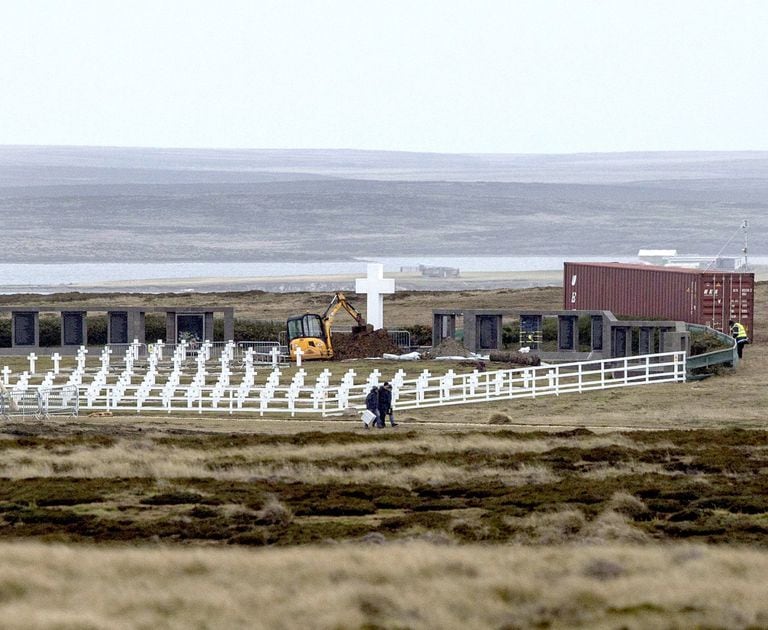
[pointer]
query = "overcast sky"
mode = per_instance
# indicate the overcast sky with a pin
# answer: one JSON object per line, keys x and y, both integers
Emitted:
{"x": 509, "y": 76}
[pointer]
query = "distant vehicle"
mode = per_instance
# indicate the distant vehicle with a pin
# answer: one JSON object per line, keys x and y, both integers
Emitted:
{"x": 439, "y": 272}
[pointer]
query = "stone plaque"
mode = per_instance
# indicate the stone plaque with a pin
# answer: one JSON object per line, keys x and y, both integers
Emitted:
{"x": 72, "y": 329}
{"x": 597, "y": 333}
{"x": 24, "y": 329}
{"x": 487, "y": 331}
{"x": 619, "y": 342}
{"x": 190, "y": 327}
{"x": 566, "y": 338}
{"x": 118, "y": 328}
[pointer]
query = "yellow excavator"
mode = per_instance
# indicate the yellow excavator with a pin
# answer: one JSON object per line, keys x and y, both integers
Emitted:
{"x": 312, "y": 332}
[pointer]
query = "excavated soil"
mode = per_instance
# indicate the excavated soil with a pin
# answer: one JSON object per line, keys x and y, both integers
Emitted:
{"x": 363, "y": 345}
{"x": 450, "y": 348}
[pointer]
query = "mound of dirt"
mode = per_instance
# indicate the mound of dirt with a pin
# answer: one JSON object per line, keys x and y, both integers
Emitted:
{"x": 516, "y": 358}
{"x": 362, "y": 345}
{"x": 449, "y": 348}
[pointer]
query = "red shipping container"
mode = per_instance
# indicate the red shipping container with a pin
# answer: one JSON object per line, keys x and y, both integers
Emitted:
{"x": 695, "y": 296}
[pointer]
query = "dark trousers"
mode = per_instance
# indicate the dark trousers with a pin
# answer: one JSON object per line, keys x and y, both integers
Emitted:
{"x": 389, "y": 412}
{"x": 740, "y": 343}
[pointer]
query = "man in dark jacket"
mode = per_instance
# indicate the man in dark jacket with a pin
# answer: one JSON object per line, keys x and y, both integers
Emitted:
{"x": 372, "y": 405}
{"x": 385, "y": 405}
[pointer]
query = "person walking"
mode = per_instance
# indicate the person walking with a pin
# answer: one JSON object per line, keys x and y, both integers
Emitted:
{"x": 740, "y": 335}
{"x": 385, "y": 405}
{"x": 372, "y": 405}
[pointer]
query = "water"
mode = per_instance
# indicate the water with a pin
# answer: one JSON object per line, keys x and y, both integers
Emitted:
{"x": 24, "y": 274}
{"x": 18, "y": 277}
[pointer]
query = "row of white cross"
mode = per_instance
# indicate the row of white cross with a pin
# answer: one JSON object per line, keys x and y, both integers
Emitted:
{"x": 133, "y": 388}
{"x": 170, "y": 384}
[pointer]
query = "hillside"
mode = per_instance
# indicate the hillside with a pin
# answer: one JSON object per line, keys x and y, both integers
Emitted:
{"x": 77, "y": 204}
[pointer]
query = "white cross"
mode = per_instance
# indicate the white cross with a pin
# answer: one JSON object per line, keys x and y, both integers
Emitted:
{"x": 6, "y": 375}
{"x": 56, "y": 358}
{"x": 375, "y": 286}
{"x": 298, "y": 353}
{"x": 274, "y": 353}
{"x": 82, "y": 351}
{"x": 32, "y": 359}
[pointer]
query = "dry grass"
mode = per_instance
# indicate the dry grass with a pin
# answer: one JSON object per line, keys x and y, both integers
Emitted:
{"x": 412, "y": 585}
{"x": 310, "y": 463}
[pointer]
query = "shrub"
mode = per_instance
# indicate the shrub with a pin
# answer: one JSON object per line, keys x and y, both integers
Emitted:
{"x": 510, "y": 334}
{"x": 154, "y": 327}
{"x": 97, "y": 330}
{"x": 50, "y": 331}
{"x": 274, "y": 513}
{"x": 500, "y": 418}
{"x": 627, "y": 504}
{"x": 703, "y": 342}
{"x": 421, "y": 335}
{"x": 5, "y": 333}
{"x": 257, "y": 330}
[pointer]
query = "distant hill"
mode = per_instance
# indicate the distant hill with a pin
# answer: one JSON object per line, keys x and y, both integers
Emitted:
{"x": 63, "y": 204}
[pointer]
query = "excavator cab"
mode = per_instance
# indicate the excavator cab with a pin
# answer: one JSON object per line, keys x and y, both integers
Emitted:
{"x": 308, "y": 333}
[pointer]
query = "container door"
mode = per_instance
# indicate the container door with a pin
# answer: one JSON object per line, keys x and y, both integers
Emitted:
{"x": 713, "y": 308}
{"x": 741, "y": 302}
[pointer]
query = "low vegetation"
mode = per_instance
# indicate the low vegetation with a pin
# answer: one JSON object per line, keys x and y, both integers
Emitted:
{"x": 497, "y": 485}
{"x": 373, "y": 585}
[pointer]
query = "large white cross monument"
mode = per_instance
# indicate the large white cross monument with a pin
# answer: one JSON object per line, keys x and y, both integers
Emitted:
{"x": 375, "y": 285}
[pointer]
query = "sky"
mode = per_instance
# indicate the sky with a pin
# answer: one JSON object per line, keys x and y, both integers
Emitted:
{"x": 475, "y": 76}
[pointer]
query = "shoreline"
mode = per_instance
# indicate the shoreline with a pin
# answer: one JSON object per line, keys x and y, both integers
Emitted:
{"x": 288, "y": 284}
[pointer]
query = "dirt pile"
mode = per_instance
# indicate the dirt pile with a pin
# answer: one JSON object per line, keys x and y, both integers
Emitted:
{"x": 449, "y": 348}
{"x": 516, "y": 358}
{"x": 362, "y": 345}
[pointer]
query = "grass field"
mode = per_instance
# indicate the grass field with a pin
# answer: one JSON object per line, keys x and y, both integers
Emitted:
{"x": 642, "y": 507}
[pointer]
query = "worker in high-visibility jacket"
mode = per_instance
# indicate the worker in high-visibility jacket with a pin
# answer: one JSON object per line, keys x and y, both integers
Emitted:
{"x": 740, "y": 335}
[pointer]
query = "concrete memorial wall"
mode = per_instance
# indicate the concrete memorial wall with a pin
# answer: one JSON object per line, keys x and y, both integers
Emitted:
{"x": 124, "y": 324}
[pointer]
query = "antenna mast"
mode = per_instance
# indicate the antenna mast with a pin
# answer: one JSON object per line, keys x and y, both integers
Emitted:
{"x": 745, "y": 228}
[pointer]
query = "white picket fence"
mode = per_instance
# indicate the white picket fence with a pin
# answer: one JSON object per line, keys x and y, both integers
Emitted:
{"x": 240, "y": 393}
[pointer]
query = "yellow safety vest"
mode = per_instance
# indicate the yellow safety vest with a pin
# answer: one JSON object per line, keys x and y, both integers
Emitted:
{"x": 739, "y": 331}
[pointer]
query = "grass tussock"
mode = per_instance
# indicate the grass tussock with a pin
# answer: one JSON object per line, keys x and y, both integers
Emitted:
{"x": 490, "y": 486}
{"x": 415, "y": 585}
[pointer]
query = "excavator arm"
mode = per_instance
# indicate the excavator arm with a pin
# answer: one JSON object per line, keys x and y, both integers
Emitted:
{"x": 338, "y": 302}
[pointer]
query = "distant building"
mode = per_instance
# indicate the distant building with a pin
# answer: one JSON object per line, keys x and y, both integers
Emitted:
{"x": 670, "y": 258}
{"x": 656, "y": 256}
{"x": 432, "y": 272}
